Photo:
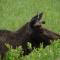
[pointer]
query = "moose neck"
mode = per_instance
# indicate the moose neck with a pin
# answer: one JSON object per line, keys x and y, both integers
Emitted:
{"x": 24, "y": 31}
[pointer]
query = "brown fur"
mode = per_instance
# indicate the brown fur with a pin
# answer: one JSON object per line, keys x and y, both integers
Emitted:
{"x": 43, "y": 35}
{"x": 20, "y": 37}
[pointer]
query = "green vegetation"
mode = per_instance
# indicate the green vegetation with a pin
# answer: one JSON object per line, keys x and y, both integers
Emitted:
{"x": 15, "y": 13}
{"x": 51, "y": 52}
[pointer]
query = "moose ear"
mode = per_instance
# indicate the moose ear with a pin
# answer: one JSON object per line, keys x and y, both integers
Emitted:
{"x": 35, "y": 16}
{"x": 40, "y": 15}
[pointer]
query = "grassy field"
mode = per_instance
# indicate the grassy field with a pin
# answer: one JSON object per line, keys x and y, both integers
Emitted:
{"x": 51, "y": 52}
{"x": 15, "y": 13}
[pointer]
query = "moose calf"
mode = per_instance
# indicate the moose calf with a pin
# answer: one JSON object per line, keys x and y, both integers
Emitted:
{"x": 20, "y": 37}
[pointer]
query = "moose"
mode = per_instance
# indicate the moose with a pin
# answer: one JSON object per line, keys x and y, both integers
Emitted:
{"x": 20, "y": 37}
{"x": 32, "y": 32}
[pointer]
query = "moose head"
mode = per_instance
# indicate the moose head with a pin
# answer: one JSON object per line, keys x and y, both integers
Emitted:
{"x": 36, "y": 21}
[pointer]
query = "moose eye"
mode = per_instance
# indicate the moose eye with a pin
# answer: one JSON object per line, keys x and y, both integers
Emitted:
{"x": 43, "y": 22}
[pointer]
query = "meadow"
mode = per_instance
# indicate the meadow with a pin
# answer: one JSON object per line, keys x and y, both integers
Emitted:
{"x": 15, "y": 13}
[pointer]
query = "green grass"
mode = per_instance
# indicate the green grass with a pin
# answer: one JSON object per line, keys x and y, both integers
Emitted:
{"x": 15, "y": 13}
{"x": 51, "y": 52}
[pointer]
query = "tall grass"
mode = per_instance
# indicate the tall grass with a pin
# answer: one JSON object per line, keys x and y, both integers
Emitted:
{"x": 51, "y": 52}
